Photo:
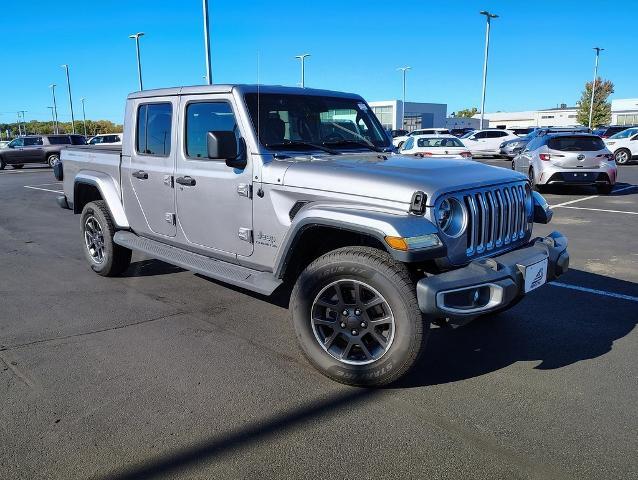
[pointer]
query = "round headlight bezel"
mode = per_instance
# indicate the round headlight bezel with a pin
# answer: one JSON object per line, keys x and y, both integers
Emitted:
{"x": 455, "y": 223}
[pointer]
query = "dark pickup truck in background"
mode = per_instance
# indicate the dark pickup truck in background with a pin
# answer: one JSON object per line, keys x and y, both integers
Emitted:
{"x": 36, "y": 149}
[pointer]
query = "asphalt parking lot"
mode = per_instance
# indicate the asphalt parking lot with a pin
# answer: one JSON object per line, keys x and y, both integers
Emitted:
{"x": 164, "y": 374}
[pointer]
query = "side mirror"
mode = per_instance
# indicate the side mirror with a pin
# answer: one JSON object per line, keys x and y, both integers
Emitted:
{"x": 542, "y": 212}
{"x": 222, "y": 145}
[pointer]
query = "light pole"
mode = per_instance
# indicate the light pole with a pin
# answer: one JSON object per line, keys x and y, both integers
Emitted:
{"x": 488, "y": 16}
{"x": 302, "y": 57}
{"x": 52, "y": 117}
{"x": 68, "y": 84}
{"x": 83, "y": 114}
{"x": 20, "y": 124}
{"x": 593, "y": 85}
{"x": 404, "y": 70}
{"x": 137, "y": 36}
{"x": 55, "y": 109}
{"x": 209, "y": 69}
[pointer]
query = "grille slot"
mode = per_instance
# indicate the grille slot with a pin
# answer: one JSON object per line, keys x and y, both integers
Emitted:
{"x": 496, "y": 218}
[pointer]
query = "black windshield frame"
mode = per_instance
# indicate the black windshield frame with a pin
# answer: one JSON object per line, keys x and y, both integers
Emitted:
{"x": 281, "y": 117}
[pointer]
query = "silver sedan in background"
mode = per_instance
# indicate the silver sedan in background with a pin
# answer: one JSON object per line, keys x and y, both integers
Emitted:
{"x": 567, "y": 159}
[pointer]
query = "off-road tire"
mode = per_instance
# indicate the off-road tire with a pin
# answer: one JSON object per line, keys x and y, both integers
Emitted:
{"x": 116, "y": 258}
{"x": 622, "y": 156}
{"x": 604, "y": 189}
{"x": 53, "y": 159}
{"x": 376, "y": 269}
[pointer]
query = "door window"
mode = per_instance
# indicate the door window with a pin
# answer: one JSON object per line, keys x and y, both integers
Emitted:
{"x": 204, "y": 117}
{"x": 408, "y": 144}
{"x": 153, "y": 136}
{"x": 31, "y": 141}
{"x": 18, "y": 142}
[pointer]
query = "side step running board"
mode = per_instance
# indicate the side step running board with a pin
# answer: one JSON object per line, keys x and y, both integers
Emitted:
{"x": 260, "y": 282}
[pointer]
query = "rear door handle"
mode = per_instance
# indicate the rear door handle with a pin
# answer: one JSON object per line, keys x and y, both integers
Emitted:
{"x": 188, "y": 181}
{"x": 141, "y": 174}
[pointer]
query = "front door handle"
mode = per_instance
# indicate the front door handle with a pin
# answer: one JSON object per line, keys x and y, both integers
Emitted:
{"x": 141, "y": 174}
{"x": 188, "y": 181}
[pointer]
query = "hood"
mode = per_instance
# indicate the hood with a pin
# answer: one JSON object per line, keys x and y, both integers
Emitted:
{"x": 392, "y": 177}
{"x": 517, "y": 140}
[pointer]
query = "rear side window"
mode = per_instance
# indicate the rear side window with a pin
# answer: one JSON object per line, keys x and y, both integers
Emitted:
{"x": 78, "y": 140}
{"x": 576, "y": 144}
{"x": 60, "y": 140}
{"x": 153, "y": 136}
{"x": 204, "y": 117}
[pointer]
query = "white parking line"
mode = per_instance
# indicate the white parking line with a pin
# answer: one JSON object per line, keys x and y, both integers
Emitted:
{"x": 590, "y": 197}
{"x": 43, "y": 189}
{"x": 45, "y": 184}
{"x": 16, "y": 172}
{"x": 597, "y": 292}
{"x": 602, "y": 210}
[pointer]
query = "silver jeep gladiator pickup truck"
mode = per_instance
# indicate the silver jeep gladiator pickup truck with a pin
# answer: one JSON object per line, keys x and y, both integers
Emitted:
{"x": 261, "y": 186}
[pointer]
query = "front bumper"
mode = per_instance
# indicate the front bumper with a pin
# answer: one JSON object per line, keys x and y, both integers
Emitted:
{"x": 510, "y": 152}
{"x": 497, "y": 281}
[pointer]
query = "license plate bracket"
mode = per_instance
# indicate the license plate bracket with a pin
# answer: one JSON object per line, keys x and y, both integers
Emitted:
{"x": 535, "y": 275}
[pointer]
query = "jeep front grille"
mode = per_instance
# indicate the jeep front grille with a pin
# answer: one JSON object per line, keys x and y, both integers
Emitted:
{"x": 496, "y": 217}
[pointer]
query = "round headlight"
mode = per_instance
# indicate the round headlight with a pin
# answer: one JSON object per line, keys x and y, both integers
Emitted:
{"x": 451, "y": 217}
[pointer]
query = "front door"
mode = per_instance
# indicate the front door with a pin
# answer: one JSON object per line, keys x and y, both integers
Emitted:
{"x": 214, "y": 204}
{"x": 147, "y": 174}
{"x": 14, "y": 152}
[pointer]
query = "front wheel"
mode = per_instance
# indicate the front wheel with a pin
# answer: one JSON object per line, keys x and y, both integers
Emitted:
{"x": 604, "y": 189}
{"x": 17, "y": 166}
{"x": 105, "y": 257}
{"x": 355, "y": 314}
{"x": 622, "y": 156}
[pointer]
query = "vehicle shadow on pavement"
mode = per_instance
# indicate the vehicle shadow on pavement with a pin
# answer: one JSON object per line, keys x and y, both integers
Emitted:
{"x": 168, "y": 465}
{"x": 150, "y": 268}
{"x": 554, "y": 326}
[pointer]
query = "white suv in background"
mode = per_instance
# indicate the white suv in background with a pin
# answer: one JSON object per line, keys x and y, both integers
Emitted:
{"x": 399, "y": 141}
{"x": 106, "y": 138}
{"x": 488, "y": 141}
{"x": 624, "y": 145}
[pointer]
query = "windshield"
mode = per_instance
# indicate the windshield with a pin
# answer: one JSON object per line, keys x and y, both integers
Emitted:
{"x": 283, "y": 121}
{"x": 468, "y": 134}
{"x": 439, "y": 142}
{"x": 625, "y": 133}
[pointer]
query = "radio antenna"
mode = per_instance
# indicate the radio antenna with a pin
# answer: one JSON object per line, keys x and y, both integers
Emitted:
{"x": 258, "y": 109}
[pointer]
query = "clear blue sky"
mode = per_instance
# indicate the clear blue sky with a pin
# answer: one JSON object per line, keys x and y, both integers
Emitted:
{"x": 541, "y": 51}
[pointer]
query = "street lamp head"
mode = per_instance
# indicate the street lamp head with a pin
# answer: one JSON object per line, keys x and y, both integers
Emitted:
{"x": 488, "y": 14}
{"x": 598, "y": 49}
{"x": 404, "y": 69}
{"x": 53, "y": 85}
{"x": 302, "y": 56}
{"x": 136, "y": 35}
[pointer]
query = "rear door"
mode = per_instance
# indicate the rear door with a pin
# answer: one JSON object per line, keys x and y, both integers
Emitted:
{"x": 577, "y": 151}
{"x": 147, "y": 174}
{"x": 215, "y": 210}
{"x": 32, "y": 149}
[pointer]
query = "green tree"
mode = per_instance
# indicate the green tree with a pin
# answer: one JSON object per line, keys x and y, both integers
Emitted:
{"x": 601, "y": 113}
{"x": 466, "y": 113}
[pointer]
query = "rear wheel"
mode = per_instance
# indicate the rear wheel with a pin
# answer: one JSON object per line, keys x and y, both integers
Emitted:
{"x": 622, "y": 156}
{"x": 356, "y": 317}
{"x": 53, "y": 159}
{"x": 105, "y": 257}
{"x": 532, "y": 181}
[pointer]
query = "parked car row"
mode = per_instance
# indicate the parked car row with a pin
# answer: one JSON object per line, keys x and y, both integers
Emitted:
{"x": 46, "y": 148}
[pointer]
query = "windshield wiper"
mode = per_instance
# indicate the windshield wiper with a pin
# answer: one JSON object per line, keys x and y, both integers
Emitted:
{"x": 369, "y": 146}
{"x": 298, "y": 143}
